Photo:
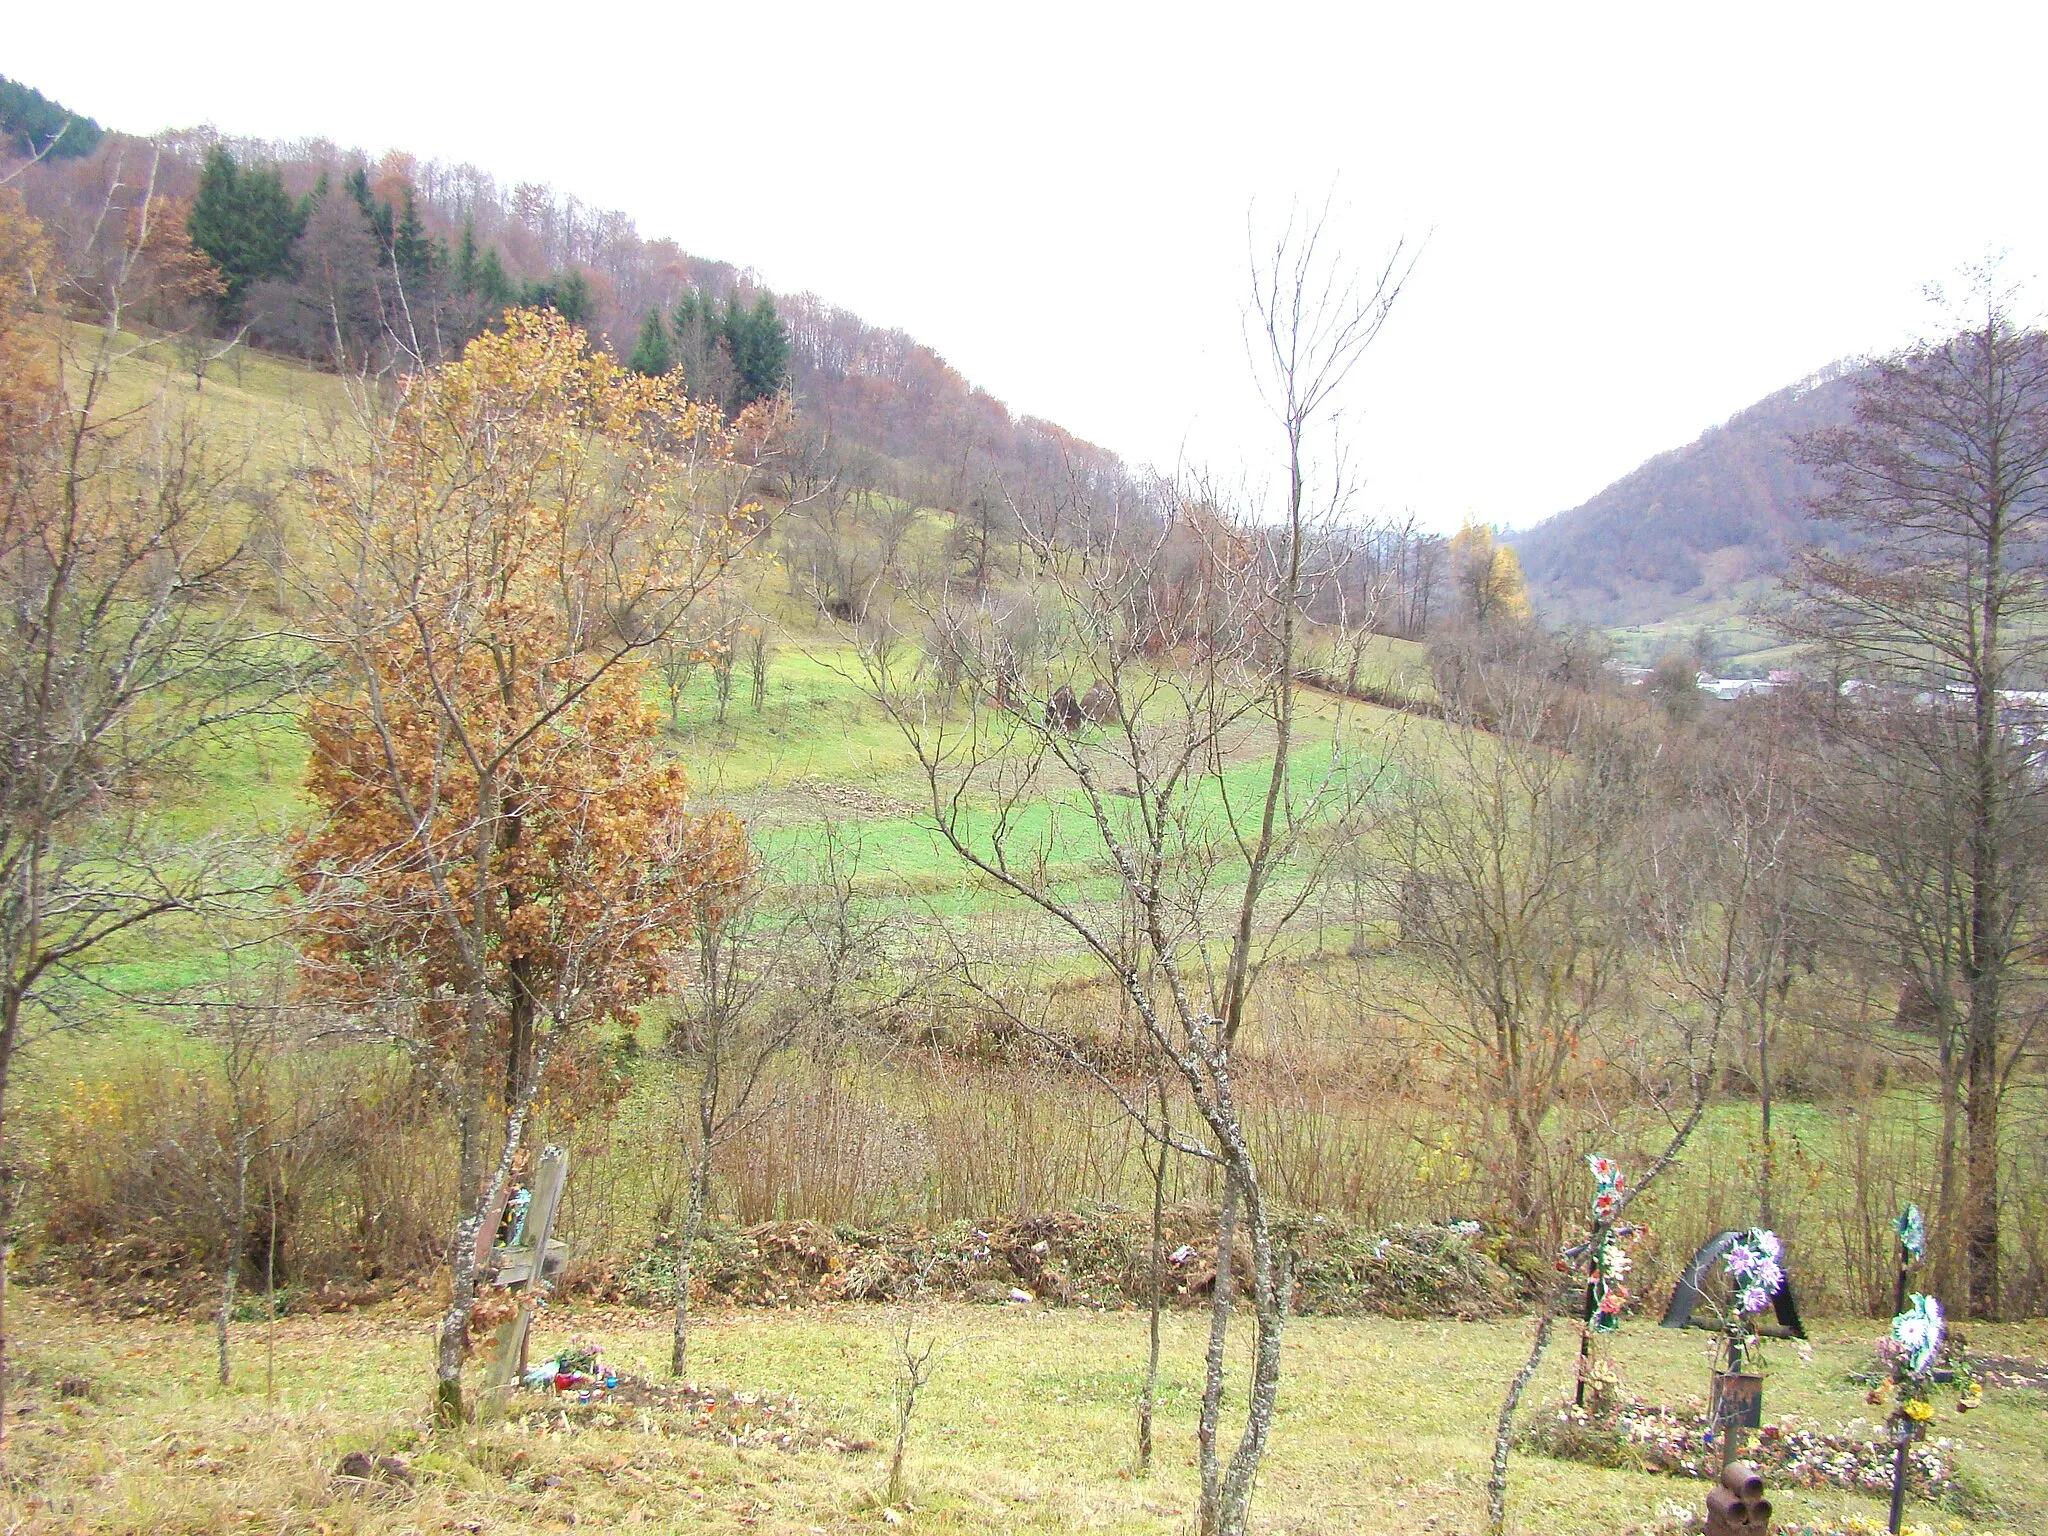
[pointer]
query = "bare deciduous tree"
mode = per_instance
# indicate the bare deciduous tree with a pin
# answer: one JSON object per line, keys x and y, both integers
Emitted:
{"x": 126, "y": 647}
{"x": 776, "y": 966}
{"x": 1728, "y": 892}
{"x": 1512, "y": 886}
{"x": 1937, "y": 798}
{"x": 1193, "y": 799}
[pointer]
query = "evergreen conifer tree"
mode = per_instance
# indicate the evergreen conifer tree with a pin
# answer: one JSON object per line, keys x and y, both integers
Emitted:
{"x": 566, "y": 293}
{"x": 466, "y": 260}
{"x": 411, "y": 251}
{"x": 652, "y": 354}
{"x": 759, "y": 346}
{"x": 244, "y": 223}
{"x": 493, "y": 289}
{"x": 689, "y": 324}
{"x": 378, "y": 214}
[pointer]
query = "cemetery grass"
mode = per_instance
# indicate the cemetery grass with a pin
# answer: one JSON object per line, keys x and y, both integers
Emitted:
{"x": 1026, "y": 1427}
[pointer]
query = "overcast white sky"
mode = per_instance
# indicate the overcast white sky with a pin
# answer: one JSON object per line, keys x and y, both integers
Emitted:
{"x": 1639, "y": 218}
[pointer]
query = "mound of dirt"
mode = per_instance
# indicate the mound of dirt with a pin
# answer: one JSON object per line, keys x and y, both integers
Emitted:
{"x": 750, "y": 1420}
{"x": 1067, "y": 1258}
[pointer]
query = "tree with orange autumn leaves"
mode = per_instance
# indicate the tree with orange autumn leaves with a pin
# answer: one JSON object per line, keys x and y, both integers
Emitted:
{"x": 502, "y": 860}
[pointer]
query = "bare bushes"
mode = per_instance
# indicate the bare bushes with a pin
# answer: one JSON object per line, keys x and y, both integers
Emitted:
{"x": 2026, "y": 1284}
{"x": 348, "y": 1189}
{"x": 1372, "y": 1137}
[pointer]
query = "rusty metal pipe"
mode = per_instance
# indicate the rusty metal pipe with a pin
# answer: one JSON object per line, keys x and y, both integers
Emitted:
{"x": 1737, "y": 1506}
{"x": 1742, "y": 1479}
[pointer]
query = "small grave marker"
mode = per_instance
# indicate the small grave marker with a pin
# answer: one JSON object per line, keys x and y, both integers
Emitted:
{"x": 1605, "y": 1259}
{"x": 1913, "y": 1349}
{"x": 528, "y": 1263}
{"x": 1757, "y": 1279}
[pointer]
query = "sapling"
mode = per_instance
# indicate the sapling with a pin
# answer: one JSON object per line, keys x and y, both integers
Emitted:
{"x": 917, "y": 1360}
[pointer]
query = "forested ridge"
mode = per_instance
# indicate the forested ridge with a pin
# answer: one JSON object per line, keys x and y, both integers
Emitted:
{"x": 1720, "y": 516}
{"x": 353, "y": 263}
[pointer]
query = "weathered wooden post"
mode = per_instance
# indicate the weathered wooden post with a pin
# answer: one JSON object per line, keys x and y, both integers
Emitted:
{"x": 1902, "y": 1441}
{"x": 1738, "y": 1396}
{"x": 1911, "y": 1228}
{"x": 528, "y": 1263}
{"x": 1914, "y": 1347}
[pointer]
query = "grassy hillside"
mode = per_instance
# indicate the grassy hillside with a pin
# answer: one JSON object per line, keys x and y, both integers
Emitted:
{"x": 816, "y": 751}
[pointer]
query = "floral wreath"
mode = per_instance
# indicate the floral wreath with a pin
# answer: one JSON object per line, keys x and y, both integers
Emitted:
{"x": 1912, "y": 1350}
{"x": 1755, "y": 1270}
{"x": 1607, "y": 1259}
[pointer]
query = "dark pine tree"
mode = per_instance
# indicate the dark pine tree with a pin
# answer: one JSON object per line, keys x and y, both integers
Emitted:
{"x": 494, "y": 290}
{"x": 566, "y": 293}
{"x": 759, "y": 346}
{"x": 411, "y": 251}
{"x": 465, "y": 272}
{"x": 652, "y": 354}
{"x": 377, "y": 214}
{"x": 695, "y": 328}
{"x": 245, "y": 224}
{"x": 700, "y": 351}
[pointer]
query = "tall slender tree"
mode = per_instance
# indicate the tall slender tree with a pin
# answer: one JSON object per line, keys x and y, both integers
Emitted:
{"x": 123, "y": 643}
{"x": 1207, "y": 899}
{"x": 758, "y": 345}
{"x": 1936, "y": 603}
{"x": 411, "y": 250}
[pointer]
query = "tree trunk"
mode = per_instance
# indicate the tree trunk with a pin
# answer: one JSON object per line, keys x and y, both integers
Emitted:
{"x": 1950, "y": 1266}
{"x": 1767, "y": 1149}
{"x": 1149, "y": 1398}
{"x": 1213, "y": 1364}
{"x": 452, "y": 1343}
{"x": 1269, "y": 1308}
{"x": 1522, "y": 1177}
{"x": 519, "y": 1037}
{"x": 1504, "y": 1427}
{"x": 693, "y": 1220}
{"x": 10, "y": 1018}
{"x": 272, "y": 1197}
{"x": 1989, "y": 949}
{"x": 231, "y": 1259}
{"x": 1981, "y": 1115}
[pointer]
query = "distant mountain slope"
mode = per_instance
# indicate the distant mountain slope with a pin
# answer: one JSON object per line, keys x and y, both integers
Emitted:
{"x": 1692, "y": 526}
{"x": 869, "y": 387}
